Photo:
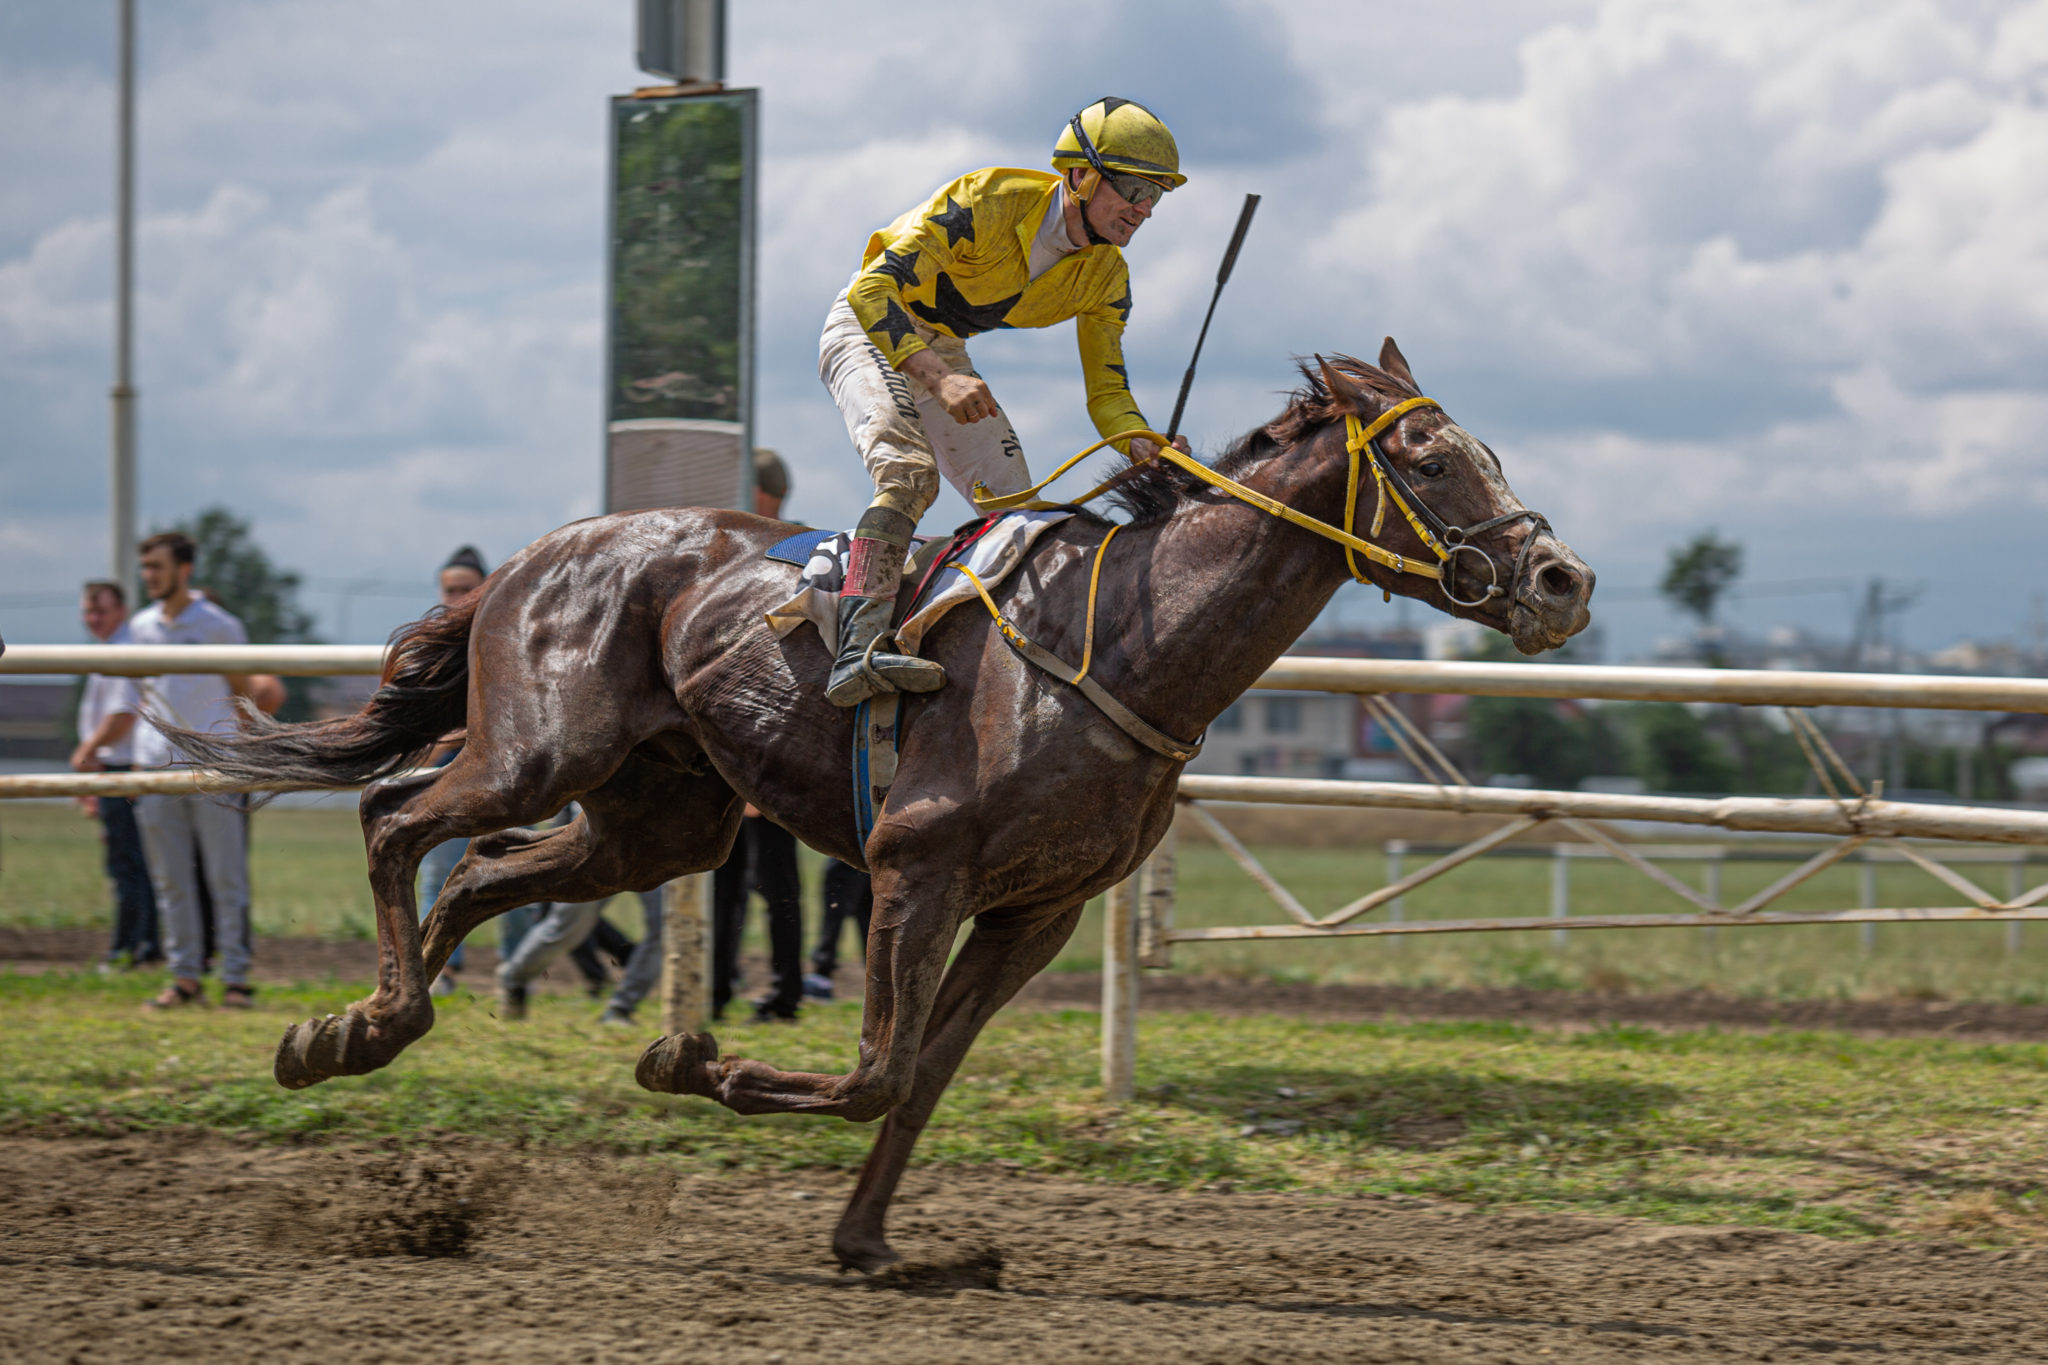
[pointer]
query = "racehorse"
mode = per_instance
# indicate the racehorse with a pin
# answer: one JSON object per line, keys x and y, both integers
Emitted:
{"x": 623, "y": 663}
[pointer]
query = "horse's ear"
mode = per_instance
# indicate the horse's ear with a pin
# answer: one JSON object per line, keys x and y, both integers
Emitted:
{"x": 1396, "y": 364}
{"x": 1345, "y": 391}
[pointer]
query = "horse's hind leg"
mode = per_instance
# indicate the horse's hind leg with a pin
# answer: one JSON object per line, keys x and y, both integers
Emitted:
{"x": 647, "y": 824}
{"x": 402, "y": 818}
{"x": 1006, "y": 949}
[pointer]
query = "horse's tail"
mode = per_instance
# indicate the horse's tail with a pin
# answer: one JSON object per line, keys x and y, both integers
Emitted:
{"x": 424, "y": 696}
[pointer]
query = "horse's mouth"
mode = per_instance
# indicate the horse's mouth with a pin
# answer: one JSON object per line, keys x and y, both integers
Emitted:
{"x": 1533, "y": 632}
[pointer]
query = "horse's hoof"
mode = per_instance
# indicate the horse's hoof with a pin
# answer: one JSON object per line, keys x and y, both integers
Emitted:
{"x": 863, "y": 1256}
{"x": 678, "y": 1064}
{"x": 321, "y": 1049}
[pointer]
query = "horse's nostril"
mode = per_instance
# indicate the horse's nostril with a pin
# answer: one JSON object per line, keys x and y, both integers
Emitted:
{"x": 1558, "y": 581}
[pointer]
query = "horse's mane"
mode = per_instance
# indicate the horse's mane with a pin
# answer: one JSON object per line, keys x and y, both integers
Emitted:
{"x": 1151, "y": 493}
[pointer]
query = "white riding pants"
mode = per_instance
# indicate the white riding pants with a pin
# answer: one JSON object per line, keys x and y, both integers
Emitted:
{"x": 905, "y": 436}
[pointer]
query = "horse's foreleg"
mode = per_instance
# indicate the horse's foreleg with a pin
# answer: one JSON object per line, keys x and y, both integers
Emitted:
{"x": 998, "y": 958}
{"x": 908, "y": 940}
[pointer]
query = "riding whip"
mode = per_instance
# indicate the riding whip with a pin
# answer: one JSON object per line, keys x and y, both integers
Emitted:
{"x": 1244, "y": 220}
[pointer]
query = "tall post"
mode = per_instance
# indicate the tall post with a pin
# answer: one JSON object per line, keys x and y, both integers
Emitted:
{"x": 685, "y": 954}
{"x": 1120, "y": 991}
{"x": 121, "y": 475}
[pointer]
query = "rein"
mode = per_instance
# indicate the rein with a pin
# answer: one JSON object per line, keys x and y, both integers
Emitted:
{"x": 1444, "y": 540}
{"x": 1361, "y": 442}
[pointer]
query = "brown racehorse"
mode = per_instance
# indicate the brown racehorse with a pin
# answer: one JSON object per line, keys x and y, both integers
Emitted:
{"x": 623, "y": 663}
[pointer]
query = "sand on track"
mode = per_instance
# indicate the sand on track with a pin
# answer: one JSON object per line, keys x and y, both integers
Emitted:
{"x": 191, "y": 1247}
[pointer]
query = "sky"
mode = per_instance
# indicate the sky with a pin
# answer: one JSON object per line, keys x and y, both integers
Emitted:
{"x": 1779, "y": 270}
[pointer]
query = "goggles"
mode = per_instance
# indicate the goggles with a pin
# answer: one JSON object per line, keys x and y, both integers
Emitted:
{"x": 1135, "y": 190}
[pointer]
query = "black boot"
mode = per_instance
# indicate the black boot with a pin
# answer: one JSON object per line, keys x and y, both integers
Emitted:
{"x": 863, "y": 667}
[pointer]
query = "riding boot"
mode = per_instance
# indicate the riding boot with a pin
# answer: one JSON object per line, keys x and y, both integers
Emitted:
{"x": 874, "y": 571}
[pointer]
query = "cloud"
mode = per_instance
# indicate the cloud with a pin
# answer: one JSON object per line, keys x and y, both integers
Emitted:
{"x": 1681, "y": 261}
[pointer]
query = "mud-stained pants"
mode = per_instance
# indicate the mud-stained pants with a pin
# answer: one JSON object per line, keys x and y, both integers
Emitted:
{"x": 904, "y": 434}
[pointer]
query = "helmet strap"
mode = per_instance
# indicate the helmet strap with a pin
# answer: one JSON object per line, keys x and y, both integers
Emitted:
{"x": 1091, "y": 181}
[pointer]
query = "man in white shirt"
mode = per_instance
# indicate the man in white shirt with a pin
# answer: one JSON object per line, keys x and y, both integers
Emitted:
{"x": 106, "y": 728}
{"x": 184, "y": 836}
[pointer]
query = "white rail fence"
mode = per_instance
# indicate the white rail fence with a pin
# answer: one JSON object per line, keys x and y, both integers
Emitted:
{"x": 1138, "y": 926}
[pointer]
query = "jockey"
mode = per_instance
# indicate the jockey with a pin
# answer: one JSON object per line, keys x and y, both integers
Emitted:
{"x": 998, "y": 247}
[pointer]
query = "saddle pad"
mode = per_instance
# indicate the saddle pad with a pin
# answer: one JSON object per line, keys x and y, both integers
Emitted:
{"x": 993, "y": 557}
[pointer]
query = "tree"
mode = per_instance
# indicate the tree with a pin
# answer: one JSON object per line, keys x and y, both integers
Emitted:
{"x": 1675, "y": 752}
{"x": 1699, "y": 573}
{"x": 234, "y": 571}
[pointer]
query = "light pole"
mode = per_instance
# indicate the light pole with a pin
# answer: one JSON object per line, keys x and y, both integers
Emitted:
{"x": 121, "y": 481}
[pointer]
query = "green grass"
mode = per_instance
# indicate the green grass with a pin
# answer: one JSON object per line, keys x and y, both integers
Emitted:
{"x": 307, "y": 870}
{"x": 1822, "y": 1133}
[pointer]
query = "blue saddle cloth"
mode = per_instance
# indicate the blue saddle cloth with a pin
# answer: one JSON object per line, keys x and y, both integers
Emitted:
{"x": 798, "y": 548}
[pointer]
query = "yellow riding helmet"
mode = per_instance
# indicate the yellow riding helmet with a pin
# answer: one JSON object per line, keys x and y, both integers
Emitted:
{"x": 1119, "y": 135}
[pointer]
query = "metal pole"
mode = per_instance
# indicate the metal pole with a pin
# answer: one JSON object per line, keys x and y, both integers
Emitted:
{"x": 2015, "y": 887}
{"x": 1713, "y": 890}
{"x": 1560, "y": 892}
{"x": 685, "y": 954}
{"x": 1157, "y": 881}
{"x": 1866, "y": 891}
{"x": 121, "y": 476}
{"x": 1120, "y": 991}
{"x": 1397, "y": 909}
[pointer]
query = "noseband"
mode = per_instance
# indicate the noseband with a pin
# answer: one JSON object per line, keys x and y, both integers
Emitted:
{"x": 1444, "y": 540}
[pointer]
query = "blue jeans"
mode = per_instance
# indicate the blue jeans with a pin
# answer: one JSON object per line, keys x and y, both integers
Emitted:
{"x": 135, "y": 932}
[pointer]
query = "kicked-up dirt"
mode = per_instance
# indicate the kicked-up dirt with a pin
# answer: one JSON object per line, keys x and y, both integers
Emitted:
{"x": 192, "y": 1248}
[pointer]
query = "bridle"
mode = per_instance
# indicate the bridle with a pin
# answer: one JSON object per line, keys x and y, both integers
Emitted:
{"x": 1443, "y": 540}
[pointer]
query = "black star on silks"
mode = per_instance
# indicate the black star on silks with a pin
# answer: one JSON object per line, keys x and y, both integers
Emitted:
{"x": 957, "y": 220}
{"x": 895, "y": 324}
{"x": 900, "y": 267}
{"x": 950, "y": 309}
{"x": 1123, "y": 305}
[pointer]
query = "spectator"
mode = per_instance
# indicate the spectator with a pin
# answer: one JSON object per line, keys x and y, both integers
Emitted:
{"x": 849, "y": 895}
{"x": 462, "y": 575}
{"x": 567, "y": 924}
{"x": 187, "y": 837}
{"x": 763, "y": 859}
{"x": 106, "y": 743}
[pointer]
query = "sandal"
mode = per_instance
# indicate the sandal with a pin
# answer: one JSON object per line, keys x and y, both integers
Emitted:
{"x": 238, "y": 998}
{"x": 176, "y": 996}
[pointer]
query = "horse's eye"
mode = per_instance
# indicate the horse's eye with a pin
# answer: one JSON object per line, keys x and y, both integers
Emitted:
{"x": 1432, "y": 469}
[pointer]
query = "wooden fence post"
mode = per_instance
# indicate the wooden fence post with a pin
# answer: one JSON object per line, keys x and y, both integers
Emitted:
{"x": 686, "y": 954}
{"x": 1119, "y": 991}
{"x": 1397, "y": 909}
{"x": 1157, "y": 881}
{"x": 1866, "y": 894}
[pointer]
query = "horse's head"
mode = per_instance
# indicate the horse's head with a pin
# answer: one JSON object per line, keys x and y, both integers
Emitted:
{"x": 1441, "y": 502}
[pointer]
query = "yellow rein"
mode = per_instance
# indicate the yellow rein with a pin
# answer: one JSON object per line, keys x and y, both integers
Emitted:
{"x": 1358, "y": 436}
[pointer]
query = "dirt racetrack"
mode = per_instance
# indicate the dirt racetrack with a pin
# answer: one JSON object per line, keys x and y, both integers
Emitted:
{"x": 193, "y": 1248}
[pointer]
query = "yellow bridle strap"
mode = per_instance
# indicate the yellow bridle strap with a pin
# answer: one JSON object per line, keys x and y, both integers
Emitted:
{"x": 1358, "y": 436}
{"x": 1094, "y": 582}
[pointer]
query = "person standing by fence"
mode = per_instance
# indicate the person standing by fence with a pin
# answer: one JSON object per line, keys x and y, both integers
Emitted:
{"x": 848, "y": 896}
{"x": 187, "y": 837}
{"x": 106, "y": 744}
